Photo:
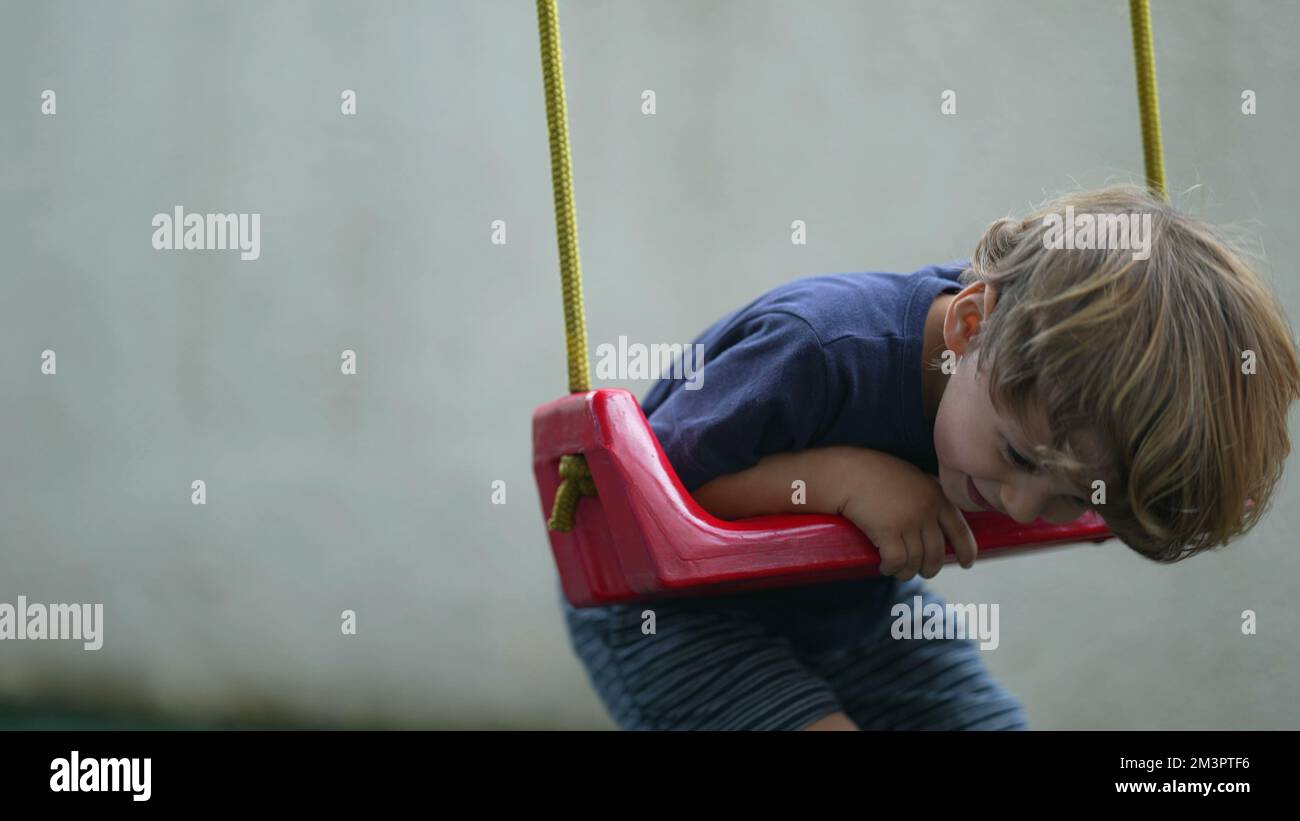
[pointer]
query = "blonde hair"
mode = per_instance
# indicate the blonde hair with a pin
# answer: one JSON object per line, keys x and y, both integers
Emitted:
{"x": 1148, "y": 358}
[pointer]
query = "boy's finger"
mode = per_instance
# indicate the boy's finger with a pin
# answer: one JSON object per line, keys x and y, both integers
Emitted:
{"x": 905, "y": 568}
{"x": 893, "y": 553}
{"x": 959, "y": 535}
{"x": 915, "y": 555}
{"x": 932, "y": 537}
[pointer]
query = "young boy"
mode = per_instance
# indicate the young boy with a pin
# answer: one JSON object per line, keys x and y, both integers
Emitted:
{"x": 1147, "y": 377}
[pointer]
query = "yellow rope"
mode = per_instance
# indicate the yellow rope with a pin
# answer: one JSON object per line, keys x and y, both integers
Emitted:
{"x": 566, "y": 217}
{"x": 574, "y": 474}
{"x": 1144, "y": 57}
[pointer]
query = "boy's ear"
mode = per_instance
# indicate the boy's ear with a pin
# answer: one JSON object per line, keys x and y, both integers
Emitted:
{"x": 965, "y": 315}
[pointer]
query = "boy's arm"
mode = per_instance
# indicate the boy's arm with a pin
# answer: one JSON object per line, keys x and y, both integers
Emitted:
{"x": 900, "y": 508}
{"x": 768, "y": 487}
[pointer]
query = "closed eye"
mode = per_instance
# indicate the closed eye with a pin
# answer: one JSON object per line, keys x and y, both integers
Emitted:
{"x": 1019, "y": 461}
{"x": 1013, "y": 456}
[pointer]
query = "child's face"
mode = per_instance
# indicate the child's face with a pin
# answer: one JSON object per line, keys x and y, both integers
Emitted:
{"x": 978, "y": 446}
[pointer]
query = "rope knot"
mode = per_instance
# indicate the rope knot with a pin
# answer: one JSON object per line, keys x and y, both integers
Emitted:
{"x": 575, "y": 483}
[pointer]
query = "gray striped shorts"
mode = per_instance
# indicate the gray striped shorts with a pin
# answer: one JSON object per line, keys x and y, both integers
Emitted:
{"x": 781, "y": 659}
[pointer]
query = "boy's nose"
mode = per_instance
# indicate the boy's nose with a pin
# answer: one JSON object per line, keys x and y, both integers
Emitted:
{"x": 1024, "y": 502}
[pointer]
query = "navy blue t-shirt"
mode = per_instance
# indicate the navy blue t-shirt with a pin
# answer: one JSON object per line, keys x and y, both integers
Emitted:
{"x": 819, "y": 361}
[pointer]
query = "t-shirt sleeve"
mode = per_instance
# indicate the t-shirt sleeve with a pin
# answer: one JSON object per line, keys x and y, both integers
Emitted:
{"x": 765, "y": 393}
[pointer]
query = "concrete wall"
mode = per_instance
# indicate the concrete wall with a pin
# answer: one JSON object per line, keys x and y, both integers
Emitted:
{"x": 373, "y": 492}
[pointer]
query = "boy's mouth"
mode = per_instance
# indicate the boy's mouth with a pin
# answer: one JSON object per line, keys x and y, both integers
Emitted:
{"x": 973, "y": 493}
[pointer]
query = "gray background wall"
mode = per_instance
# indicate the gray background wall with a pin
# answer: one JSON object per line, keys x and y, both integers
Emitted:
{"x": 372, "y": 492}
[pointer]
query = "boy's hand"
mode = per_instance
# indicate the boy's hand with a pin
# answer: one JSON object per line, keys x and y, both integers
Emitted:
{"x": 905, "y": 513}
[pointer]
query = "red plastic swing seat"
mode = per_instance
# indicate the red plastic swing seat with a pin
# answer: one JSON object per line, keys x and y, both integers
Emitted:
{"x": 643, "y": 536}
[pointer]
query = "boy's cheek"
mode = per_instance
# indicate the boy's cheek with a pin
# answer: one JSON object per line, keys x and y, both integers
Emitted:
{"x": 952, "y": 478}
{"x": 951, "y": 482}
{"x": 948, "y": 451}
